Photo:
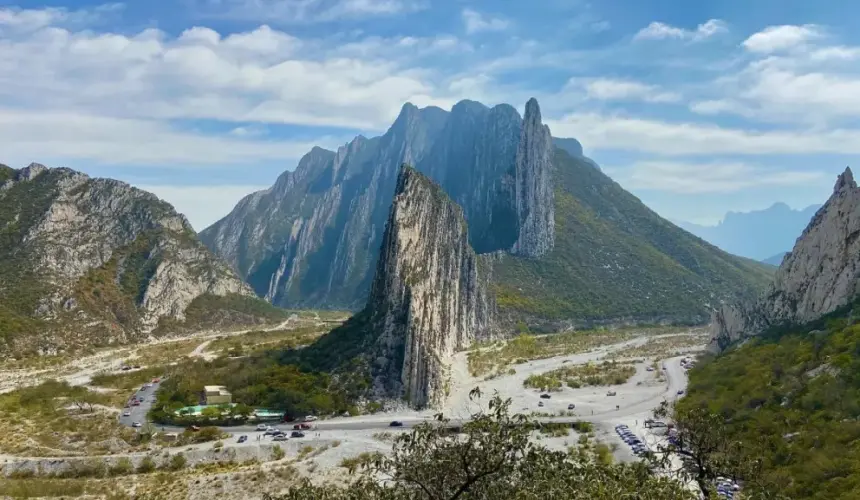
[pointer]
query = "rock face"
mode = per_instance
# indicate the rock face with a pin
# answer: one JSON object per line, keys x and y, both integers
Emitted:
{"x": 534, "y": 190}
{"x": 312, "y": 239}
{"x": 821, "y": 274}
{"x": 83, "y": 254}
{"x": 427, "y": 300}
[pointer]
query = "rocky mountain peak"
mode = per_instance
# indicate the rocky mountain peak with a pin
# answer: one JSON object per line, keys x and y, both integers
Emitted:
{"x": 821, "y": 274}
{"x": 845, "y": 181}
{"x": 535, "y": 203}
{"x": 427, "y": 300}
{"x": 31, "y": 171}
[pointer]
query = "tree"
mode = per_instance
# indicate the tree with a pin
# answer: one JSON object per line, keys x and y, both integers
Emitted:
{"x": 708, "y": 451}
{"x": 491, "y": 458}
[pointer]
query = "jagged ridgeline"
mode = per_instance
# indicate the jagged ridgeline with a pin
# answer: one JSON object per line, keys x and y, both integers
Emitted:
{"x": 87, "y": 262}
{"x": 429, "y": 299}
{"x": 820, "y": 275}
{"x": 570, "y": 245}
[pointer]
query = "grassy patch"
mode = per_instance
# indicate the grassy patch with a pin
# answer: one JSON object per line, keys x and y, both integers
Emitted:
{"x": 497, "y": 356}
{"x": 665, "y": 347}
{"x": 587, "y": 375}
{"x": 240, "y": 345}
{"x": 55, "y": 419}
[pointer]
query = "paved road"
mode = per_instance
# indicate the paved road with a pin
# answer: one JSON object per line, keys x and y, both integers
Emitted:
{"x": 138, "y": 413}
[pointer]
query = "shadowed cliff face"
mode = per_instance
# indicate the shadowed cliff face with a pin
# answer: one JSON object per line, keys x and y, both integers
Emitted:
{"x": 427, "y": 300}
{"x": 819, "y": 275}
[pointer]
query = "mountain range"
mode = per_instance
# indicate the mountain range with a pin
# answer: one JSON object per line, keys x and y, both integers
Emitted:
{"x": 87, "y": 262}
{"x": 764, "y": 235}
{"x": 570, "y": 246}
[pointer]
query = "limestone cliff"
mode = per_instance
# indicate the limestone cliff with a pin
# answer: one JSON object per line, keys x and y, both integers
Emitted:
{"x": 85, "y": 261}
{"x": 821, "y": 274}
{"x": 427, "y": 301}
{"x": 534, "y": 190}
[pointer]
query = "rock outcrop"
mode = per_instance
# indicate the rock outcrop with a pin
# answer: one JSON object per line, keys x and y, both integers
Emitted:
{"x": 427, "y": 300}
{"x": 821, "y": 274}
{"x": 83, "y": 254}
{"x": 534, "y": 190}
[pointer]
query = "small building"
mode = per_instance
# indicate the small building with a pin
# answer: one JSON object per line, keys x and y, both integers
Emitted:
{"x": 216, "y": 395}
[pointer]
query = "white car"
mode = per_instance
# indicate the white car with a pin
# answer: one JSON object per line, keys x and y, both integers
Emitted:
{"x": 261, "y": 427}
{"x": 135, "y": 424}
{"x": 126, "y": 414}
{"x": 310, "y": 418}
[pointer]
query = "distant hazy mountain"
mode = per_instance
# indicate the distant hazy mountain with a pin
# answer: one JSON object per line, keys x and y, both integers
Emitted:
{"x": 759, "y": 235}
{"x": 776, "y": 260}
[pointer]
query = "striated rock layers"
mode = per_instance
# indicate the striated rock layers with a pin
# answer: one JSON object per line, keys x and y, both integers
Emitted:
{"x": 427, "y": 299}
{"x": 85, "y": 254}
{"x": 534, "y": 190}
{"x": 821, "y": 274}
{"x": 313, "y": 239}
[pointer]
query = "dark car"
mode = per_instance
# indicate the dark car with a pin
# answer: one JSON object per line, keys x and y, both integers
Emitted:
{"x": 571, "y": 406}
{"x": 681, "y": 392}
{"x": 297, "y": 434}
{"x": 545, "y": 396}
{"x": 242, "y": 439}
{"x": 396, "y": 423}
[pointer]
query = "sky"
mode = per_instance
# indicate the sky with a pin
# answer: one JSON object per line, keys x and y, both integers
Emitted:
{"x": 698, "y": 108}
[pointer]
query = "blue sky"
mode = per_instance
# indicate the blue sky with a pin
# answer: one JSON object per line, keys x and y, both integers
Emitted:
{"x": 696, "y": 107}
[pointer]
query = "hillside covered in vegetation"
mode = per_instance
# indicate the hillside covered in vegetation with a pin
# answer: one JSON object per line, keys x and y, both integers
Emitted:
{"x": 791, "y": 397}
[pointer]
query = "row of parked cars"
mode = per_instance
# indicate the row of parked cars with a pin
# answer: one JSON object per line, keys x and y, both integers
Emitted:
{"x": 635, "y": 443}
{"x": 726, "y": 488}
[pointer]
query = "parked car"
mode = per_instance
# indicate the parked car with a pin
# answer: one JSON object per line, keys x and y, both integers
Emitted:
{"x": 396, "y": 423}
{"x": 681, "y": 392}
{"x": 242, "y": 439}
{"x": 283, "y": 437}
{"x": 272, "y": 432}
{"x": 261, "y": 427}
{"x": 540, "y": 403}
{"x": 125, "y": 368}
{"x": 135, "y": 424}
{"x": 297, "y": 434}
{"x": 610, "y": 393}
{"x": 135, "y": 403}
{"x": 545, "y": 396}
{"x": 156, "y": 380}
{"x": 194, "y": 428}
{"x": 310, "y": 418}
{"x": 126, "y": 414}
{"x": 571, "y": 406}
{"x": 136, "y": 367}
{"x": 299, "y": 427}
{"x": 650, "y": 369}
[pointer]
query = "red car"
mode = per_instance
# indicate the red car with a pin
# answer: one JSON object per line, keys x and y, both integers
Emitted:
{"x": 299, "y": 427}
{"x": 156, "y": 380}
{"x": 135, "y": 403}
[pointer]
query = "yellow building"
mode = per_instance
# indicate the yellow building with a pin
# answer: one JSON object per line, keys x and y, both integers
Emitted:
{"x": 217, "y": 395}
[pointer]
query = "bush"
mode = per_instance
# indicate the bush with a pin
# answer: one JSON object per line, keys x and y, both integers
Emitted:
{"x": 122, "y": 467}
{"x": 146, "y": 465}
{"x": 177, "y": 462}
{"x": 278, "y": 452}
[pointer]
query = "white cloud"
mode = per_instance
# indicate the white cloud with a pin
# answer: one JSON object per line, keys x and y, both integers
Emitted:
{"x": 712, "y": 177}
{"x": 476, "y": 22}
{"x": 607, "y": 89}
{"x": 262, "y": 75}
{"x": 307, "y": 11}
{"x": 658, "y": 31}
{"x": 663, "y": 138}
{"x": 777, "y": 38}
{"x": 202, "y": 205}
{"x": 51, "y": 137}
